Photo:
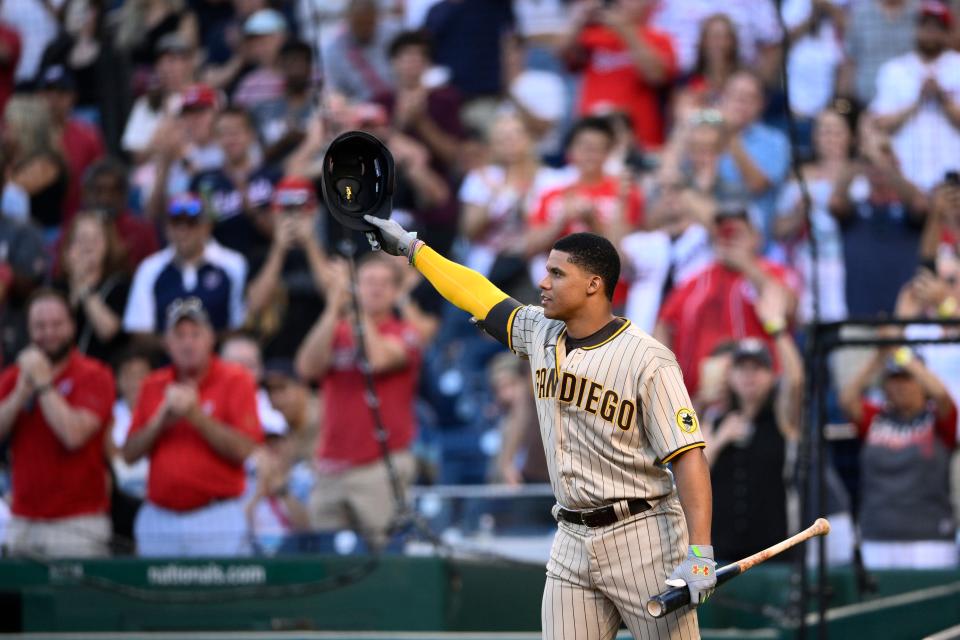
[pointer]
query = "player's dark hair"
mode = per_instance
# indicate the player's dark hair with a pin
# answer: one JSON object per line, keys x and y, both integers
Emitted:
{"x": 597, "y": 124}
{"x": 405, "y": 39}
{"x": 594, "y": 254}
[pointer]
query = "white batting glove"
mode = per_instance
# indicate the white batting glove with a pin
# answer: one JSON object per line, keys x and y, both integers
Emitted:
{"x": 698, "y": 573}
{"x": 394, "y": 239}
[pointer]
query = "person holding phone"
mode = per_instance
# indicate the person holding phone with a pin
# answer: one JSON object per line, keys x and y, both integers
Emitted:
{"x": 285, "y": 293}
{"x": 727, "y": 291}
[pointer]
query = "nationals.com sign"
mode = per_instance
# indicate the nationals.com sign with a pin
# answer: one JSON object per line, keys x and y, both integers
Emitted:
{"x": 205, "y": 575}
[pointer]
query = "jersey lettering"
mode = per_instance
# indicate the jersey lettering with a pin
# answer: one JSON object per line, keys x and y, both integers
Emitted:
{"x": 590, "y": 396}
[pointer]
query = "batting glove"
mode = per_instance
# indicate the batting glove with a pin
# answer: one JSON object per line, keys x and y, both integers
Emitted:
{"x": 698, "y": 572}
{"x": 394, "y": 239}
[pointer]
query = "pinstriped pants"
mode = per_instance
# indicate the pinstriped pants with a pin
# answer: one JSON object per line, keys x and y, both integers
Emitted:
{"x": 598, "y": 577}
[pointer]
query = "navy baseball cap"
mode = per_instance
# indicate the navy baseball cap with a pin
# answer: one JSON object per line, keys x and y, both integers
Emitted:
{"x": 57, "y": 77}
{"x": 752, "y": 350}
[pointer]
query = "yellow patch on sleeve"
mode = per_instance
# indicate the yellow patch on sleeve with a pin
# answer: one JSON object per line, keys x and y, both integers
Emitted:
{"x": 687, "y": 420}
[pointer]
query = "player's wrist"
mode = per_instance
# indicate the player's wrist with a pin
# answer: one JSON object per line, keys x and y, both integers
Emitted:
{"x": 701, "y": 551}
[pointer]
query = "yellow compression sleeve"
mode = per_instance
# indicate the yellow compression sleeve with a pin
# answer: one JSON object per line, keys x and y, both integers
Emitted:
{"x": 462, "y": 287}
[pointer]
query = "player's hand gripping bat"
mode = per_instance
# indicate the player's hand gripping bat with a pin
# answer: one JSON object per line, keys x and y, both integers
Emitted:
{"x": 672, "y": 599}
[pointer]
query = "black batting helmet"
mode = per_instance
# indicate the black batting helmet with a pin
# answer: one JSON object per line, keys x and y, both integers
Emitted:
{"x": 358, "y": 179}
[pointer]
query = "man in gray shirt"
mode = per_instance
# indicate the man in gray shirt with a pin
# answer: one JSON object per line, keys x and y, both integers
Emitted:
{"x": 356, "y": 60}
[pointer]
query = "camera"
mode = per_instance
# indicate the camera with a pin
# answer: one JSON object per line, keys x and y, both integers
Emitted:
{"x": 952, "y": 178}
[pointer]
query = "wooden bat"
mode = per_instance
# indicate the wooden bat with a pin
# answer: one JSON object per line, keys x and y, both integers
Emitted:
{"x": 676, "y": 597}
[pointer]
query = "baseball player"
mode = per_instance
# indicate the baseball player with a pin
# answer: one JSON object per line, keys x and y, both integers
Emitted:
{"x": 613, "y": 411}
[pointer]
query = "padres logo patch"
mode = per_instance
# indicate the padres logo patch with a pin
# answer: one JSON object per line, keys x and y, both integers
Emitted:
{"x": 687, "y": 420}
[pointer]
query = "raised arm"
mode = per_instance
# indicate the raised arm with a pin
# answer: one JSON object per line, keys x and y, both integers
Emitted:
{"x": 462, "y": 287}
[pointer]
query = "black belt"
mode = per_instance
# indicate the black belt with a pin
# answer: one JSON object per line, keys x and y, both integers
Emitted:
{"x": 601, "y": 516}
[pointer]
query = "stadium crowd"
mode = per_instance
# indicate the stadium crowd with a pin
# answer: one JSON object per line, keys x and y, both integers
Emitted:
{"x": 178, "y": 331}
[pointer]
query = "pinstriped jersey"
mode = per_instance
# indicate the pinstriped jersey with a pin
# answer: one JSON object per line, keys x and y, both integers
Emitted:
{"x": 611, "y": 413}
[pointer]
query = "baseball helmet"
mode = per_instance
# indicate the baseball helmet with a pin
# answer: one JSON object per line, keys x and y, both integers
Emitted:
{"x": 358, "y": 179}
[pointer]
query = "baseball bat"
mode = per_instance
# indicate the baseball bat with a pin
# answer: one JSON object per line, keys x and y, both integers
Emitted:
{"x": 676, "y": 597}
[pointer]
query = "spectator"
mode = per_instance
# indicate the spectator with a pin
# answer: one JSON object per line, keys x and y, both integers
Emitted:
{"x": 429, "y": 116}
{"x": 96, "y": 283}
{"x": 223, "y": 189}
{"x": 10, "y": 48}
{"x": 55, "y": 410}
{"x": 717, "y": 58}
{"x": 693, "y": 156}
{"x": 193, "y": 265}
{"x": 521, "y": 458}
{"x": 356, "y": 61}
{"x": 244, "y": 350}
{"x": 129, "y": 481}
{"x": 815, "y": 52}
{"x": 675, "y": 249}
{"x": 106, "y": 189}
{"x": 752, "y": 440}
{"x": 877, "y": 31}
{"x": 283, "y": 121}
{"x": 23, "y": 266}
{"x": 81, "y": 142}
{"x": 265, "y": 32}
{"x": 38, "y": 24}
{"x": 466, "y": 36}
{"x": 297, "y": 403}
{"x": 131, "y": 369}
{"x": 757, "y": 157}
{"x": 285, "y": 293}
{"x": 353, "y": 488}
{"x": 625, "y": 62}
{"x": 182, "y": 147}
{"x": 833, "y": 146}
{"x": 173, "y": 73}
{"x": 37, "y": 170}
{"x": 196, "y": 420}
{"x": 275, "y": 516}
{"x": 918, "y": 100}
{"x": 594, "y": 202}
{"x": 727, "y": 292}
{"x": 878, "y": 210}
{"x": 758, "y": 30}
{"x": 905, "y": 518}
{"x": 143, "y": 23}
{"x": 539, "y": 97}
{"x": 495, "y": 199}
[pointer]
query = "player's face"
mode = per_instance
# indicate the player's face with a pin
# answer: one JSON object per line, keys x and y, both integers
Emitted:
{"x": 50, "y": 327}
{"x": 566, "y": 287}
{"x": 190, "y": 345}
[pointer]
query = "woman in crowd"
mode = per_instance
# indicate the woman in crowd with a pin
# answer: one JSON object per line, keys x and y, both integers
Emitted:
{"x": 495, "y": 198}
{"x": 718, "y": 56}
{"x": 905, "y": 517}
{"x": 751, "y": 438}
{"x": 96, "y": 283}
{"x": 142, "y": 23}
{"x": 38, "y": 170}
{"x": 833, "y": 143}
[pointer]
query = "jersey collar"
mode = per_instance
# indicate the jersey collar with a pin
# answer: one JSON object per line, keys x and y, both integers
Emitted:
{"x": 607, "y": 333}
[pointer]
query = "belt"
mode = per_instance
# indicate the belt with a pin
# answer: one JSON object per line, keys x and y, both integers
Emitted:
{"x": 601, "y": 516}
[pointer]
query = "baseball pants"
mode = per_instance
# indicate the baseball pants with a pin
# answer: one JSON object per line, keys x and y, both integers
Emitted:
{"x": 598, "y": 577}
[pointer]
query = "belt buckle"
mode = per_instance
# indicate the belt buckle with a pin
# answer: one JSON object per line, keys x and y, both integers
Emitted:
{"x": 592, "y": 518}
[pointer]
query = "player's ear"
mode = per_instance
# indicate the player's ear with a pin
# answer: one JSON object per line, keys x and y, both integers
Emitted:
{"x": 594, "y": 285}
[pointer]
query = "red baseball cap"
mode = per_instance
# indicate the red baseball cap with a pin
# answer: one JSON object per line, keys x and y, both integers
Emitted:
{"x": 294, "y": 192}
{"x": 199, "y": 96}
{"x": 935, "y": 9}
